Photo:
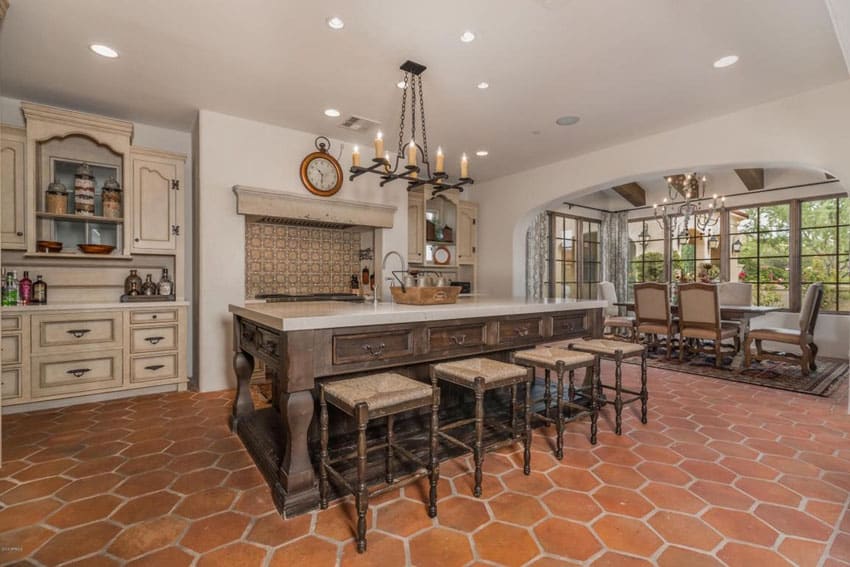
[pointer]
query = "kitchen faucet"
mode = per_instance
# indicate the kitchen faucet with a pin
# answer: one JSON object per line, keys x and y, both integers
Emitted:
{"x": 384, "y": 265}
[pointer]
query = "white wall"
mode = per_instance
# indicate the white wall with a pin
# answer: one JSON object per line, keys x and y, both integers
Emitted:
{"x": 234, "y": 151}
{"x": 147, "y": 136}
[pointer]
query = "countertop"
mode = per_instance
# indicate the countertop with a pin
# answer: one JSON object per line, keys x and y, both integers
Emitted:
{"x": 91, "y": 306}
{"x": 334, "y": 314}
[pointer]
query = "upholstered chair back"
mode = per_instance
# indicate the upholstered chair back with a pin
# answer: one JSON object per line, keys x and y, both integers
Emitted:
{"x": 735, "y": 293}
{"x": 652, "y": 303}
{"x": 609, "y": 294}
{"x": 699, "y": 306}
{"x": 811, "y": 308}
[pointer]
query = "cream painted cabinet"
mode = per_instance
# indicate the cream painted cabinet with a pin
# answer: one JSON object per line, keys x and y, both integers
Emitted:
{"x": 157, "y": 200}
{"x": 467, "y": 232}
{"x": 12, "y": 175}
{"x": 415, "y": 228}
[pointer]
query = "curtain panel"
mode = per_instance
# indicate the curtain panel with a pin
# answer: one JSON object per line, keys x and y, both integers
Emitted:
{"x": 536, "y": 257}
{"x": 615, "y": 251}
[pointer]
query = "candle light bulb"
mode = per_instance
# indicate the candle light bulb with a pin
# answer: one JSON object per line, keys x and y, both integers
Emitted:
{"x": 441, "y": 160}
{"x": 411, "y": 153}
{"x": 355, "y": 156}
{"x": 379, "y": 144}
{"x": 464, "y": 167}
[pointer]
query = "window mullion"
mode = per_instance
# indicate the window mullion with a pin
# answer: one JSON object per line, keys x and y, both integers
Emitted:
{"x": 794, "y": 260}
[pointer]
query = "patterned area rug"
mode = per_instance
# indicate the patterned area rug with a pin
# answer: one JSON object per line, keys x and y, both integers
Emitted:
{"x": 831, "y": 372}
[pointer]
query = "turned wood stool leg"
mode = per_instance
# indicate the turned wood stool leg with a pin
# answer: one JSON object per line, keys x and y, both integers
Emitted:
{"x": 594, "y": 407}
{"x": 323, "y": 429}
{"x": 527, "y": 439}
{"x": 559, "y": 420}
{"x": 514, "y": 431}
{"x": 547, "y": 394}
{"x": 618, "y": 392}
{"x": 390, "y": 450}
{"x": 434, "y": 461}
{"x": 478, "y": 453}
{"x": 644, "y": 393}
{"x": 361, "y": 412}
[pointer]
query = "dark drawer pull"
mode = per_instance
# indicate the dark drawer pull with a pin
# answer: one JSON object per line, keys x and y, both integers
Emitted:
{"x": 375, "y": 351}
{"x": 77, "y": 372}
{"x": 521, "y": 331}
{"x": 154, "y": 340}
{"x": 457, "y": 339}
{"x": 154, "y": 367}
{"x": 78, "y": 332}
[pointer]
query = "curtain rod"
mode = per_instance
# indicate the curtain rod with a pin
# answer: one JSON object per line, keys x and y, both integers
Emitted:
{"x": 828, "y": 181}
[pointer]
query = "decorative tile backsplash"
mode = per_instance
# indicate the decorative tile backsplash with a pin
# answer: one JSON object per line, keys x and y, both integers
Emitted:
{"x": 297, "y": 260}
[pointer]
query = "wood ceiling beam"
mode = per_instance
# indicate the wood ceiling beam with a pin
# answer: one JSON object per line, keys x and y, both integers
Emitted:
{"x": 632, "y": 192}
{"x": 752, "y": 178}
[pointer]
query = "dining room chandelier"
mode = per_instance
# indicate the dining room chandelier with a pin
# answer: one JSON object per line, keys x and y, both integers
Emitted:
{"x": 689, "y": 189}
{"x": 412, "y": 160}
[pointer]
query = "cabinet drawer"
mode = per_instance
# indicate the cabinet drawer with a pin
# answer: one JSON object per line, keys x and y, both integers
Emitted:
{"x": 161, "y": 316}
{"x": 364, "y": 347}
{"x": 518, "y": 331}
{"x": 62, "y": 374}
{"x": 56, "y": 333}
{"x": 456, "y": 337}
{"x": 11, "y": 383}
{"x": 149, "y": 368}
{"x": 570, "y": 325}
{"x": 11, "y": 323}
{"x": 11, "y": 349}
{"x": 148, "y": 339}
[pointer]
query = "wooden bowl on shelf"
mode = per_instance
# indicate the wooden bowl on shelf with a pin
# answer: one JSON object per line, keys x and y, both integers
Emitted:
{"x": 48, "y": 246}
{"x": 96, "y": 248}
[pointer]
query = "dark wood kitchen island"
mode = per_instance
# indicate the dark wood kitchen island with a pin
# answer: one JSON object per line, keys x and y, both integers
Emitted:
{"x": 302, "y": 343}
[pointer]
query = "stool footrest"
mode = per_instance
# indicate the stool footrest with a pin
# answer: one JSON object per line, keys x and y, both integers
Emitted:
{"x": 407, "y": 479}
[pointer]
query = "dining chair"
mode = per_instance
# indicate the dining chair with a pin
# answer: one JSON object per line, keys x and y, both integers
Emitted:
{"x": 699, "y": 320}
{"x": 804, "y": 337}
{"x": 613, "y": 319}
{"x": 652, "y": 314}
{"x": 735, "y": 294}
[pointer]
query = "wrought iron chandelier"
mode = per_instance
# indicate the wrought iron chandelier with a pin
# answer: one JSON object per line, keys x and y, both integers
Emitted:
{"x": 690, "y": 188}
{"x": 417, "y": 172}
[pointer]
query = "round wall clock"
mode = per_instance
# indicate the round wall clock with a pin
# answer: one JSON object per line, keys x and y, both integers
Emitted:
{"x": 321, "y": 173}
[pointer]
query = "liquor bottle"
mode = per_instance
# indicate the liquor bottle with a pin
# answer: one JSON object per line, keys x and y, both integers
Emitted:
{"x": 166, "y": 286}
{"x": 149, "y": 288}
{"x": 133, "y": 277}
{"x": 8, "y": 297}
{"x": 355, "y": 285}
{"x": 39, "y": 292}
{"x": 14, "y": 297}
{"x": 25, "y": 289}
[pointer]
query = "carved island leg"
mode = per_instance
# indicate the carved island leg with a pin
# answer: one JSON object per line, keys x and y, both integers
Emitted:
{"x": 296, "y": 469}
{"x": 243, "y": 405}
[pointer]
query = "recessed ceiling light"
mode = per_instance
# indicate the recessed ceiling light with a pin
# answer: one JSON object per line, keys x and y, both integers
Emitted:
{"x": 567, "y": 120}
{"x": 335, "y": 23}
{"x": 467, "y": 36}
{"x": 483, "y": 85}
{"x": 103, "y": 50}
{"x": 482, "y": 153}
{"x": 725, "y": 61}
{"x": 332, "y": 112}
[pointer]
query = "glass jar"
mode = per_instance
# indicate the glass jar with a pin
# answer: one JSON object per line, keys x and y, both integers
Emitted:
{"x": 133, "y": 278}
{"x": 84, "y": 191}
{"x": 111, "y": 198}
{"x": 56, "y": 200}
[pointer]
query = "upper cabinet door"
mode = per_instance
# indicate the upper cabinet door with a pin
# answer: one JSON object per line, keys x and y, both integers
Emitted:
{"x": 157, "y": 198}
{"x": 415, "y": 227}
{"x": 12, "y": 195}
{"x": 467, "y": 238}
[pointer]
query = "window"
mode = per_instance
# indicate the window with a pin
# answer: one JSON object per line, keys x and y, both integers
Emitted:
{"x": 646, "y": 253}
{"x": 696, "y": 249}
{"x": 760, "y": 252}
{"x": 575, "y": 263}
{"x": 825, "y": 250}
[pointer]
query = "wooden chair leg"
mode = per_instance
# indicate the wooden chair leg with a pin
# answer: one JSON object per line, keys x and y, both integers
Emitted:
{"x": 390, "y": 451}
{"x": 644, "y": 393}
{"x": 547, "y": 394}
{"x": 514, "y": 432}
{"x": 527, "y": 436}
{"x": 434, "y": 461}
{"x": 559, "y": 419}
{"x": 718, "y": 354}
{"x": 805, "y": 359}
{"x": 362, "y": 496}
{"x": 594, "y": 404}
{"x": 618, "y": 392}
{"x": 747, "y": 352}
{"x": 478, "y": 448}
{"x": 814, "y": 349}
{"x": 682, "y": 347}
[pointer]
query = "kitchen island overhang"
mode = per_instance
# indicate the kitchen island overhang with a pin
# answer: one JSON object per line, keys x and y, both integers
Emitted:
{"x": 301, "y": 343}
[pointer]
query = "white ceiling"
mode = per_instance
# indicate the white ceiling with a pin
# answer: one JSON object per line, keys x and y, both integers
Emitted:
{"x": 627, "y": 68}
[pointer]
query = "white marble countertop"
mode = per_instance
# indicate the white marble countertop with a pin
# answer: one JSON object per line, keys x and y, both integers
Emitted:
{"x": 334, "y": 314}
{"x": 91, "y": 306}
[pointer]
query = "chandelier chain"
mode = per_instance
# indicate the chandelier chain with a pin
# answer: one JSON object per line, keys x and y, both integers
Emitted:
{"x": 403, "y": 114}
{"x": 422, "y": 117}
{"x": 413, "y": 108}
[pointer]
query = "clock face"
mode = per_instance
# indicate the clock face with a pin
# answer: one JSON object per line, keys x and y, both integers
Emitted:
{"x": 322, "y": 174}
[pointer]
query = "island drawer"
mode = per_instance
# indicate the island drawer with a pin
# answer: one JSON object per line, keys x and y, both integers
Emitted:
{"x": 148, "y": 339}
{"x": 10, "y": 383}
{"x": 570, "y": 325}
{"x": 57, "y": 374}
{"x": 56, "y": 333}
{"x": 364, "y": 347}
{"x": 520, "y": 330}
{"x": 11, "y": 349}
{"x": 150, "y": 368}
{"x": 158, "y": 316}
{"x": 262, "y": 342}
{"x": 456, "y": 337}
{"x": 11, "y": 322}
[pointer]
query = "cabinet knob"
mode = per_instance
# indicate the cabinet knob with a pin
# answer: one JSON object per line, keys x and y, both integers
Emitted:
{"x": 153, "y": 316}
{"x": 136, "y": 239}
{"x": 19, "y": 233}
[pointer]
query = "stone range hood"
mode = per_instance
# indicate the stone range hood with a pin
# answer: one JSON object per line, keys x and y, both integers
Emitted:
{"x": 270, "y": 206}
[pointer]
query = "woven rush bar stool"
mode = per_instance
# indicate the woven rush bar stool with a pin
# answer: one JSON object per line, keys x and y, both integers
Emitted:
{"x": 617, "y": 351}
{"x": 372, "y": 397}
{"x": 482, "y": 375}
{"x": 561, "y": 361}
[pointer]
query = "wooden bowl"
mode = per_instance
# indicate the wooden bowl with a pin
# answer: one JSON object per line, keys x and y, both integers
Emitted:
{"x": 96, "y": 248}
{"x": 48, "y": 246}
{"x": 425, "y": 295}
